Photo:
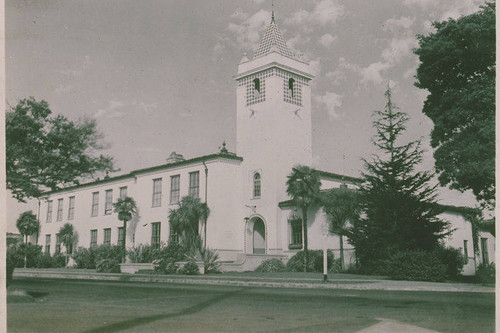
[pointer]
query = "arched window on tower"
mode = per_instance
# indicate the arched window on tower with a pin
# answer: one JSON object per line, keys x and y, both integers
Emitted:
{"x": 291, "y": 86}
{"x": 256, "y": 87}
{"x": 256, "y": 185}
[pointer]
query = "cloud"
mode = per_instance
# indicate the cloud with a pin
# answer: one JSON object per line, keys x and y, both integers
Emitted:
{"x": 339, "y": 74}
{"x": 459, "y": 8}
{"x": 259, "y": 1}
{"x": 325, "y": 12}
{"x": 420, "y": 3}
{"x": 315, "y": 66}
{"x": 111, "y": 110}
{"x": 332, "y": 101}
{"x": 249, "y": 31}
{"x": 239, "y": 14}
{"x": 63, "y": 89}
{"x": 327, "y": 40}
{"x": 398, "y": 49}
{"x": 372, "y": 73}
{"x": 394, "y": 25}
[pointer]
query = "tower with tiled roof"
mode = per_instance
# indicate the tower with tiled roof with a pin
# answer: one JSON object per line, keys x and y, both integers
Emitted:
{"x": 274, "y": 130}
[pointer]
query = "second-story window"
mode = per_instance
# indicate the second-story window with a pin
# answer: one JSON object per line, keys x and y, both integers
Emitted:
{"x": 95, "y": 204}
{"x": 49, "y": 211}
{"x": 108, "y": 204}
{"x": 291, "y": 87}
{"x": 71, "y": 208}
{"x": 256, "y": 185}
{"x": 194, "y": 184}
{"x": 123, "y": 192}
{"x": 157, "y": 192}
{"x": 59, "y": 210}
{"x": 175, "y": 185}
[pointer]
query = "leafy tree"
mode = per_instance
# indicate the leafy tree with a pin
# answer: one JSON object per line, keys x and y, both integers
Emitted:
{"x": 126, "y": 209}
{"x": 186, "y": 218}
{"x": 341, "y": 206}
{"x": 400, "y": 212}
{"x": 47, "y": 152}
{"x": 303, "y": 187}
{"x": 68, "y": 238}
{"x": 27, "y": 224}
{"x": 457, "y": 67}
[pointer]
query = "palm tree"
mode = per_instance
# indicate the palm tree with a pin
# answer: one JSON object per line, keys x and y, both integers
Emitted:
{"x": 186, "y": 218}
{"x": 27, "y": 224}
{"x": 68, "y": 238}
{"x": 126, "y": 209}
{"x": 341, "y": 206}
{"x": 303, "y": 186}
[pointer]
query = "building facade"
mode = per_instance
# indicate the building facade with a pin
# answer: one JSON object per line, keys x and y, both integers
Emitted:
{"x": 251, "y": 217}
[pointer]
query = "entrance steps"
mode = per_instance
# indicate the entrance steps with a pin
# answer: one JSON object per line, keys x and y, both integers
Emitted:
{"x": 249, "y": 262}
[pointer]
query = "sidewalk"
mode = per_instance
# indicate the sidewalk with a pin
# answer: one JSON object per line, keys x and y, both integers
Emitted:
{"x": 336, "y": 281}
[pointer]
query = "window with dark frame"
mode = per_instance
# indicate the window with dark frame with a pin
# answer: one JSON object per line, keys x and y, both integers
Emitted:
{"x": 173, "y": 237}
{"x": 155, "y": 235}
{"x": 256, "y": 185}
{"x": 71, "y": 208}
{"x": 49, "y": 211}
{"x": 95, "y": 204}
{"x": 295, "y": 234}
{"x": 157, "y": 192}
{"x": 256, "y": 85}
{"x": 93, "y": 238}
{"x": 123, "y": 192}
{"x": 59, "y": 215}
{"x": 175, "y": 187}
{"x": 466, "y": 251}
{"x": 121, "y": 236}
{"x": 484, "y": 251}
{"x": 47, "y": 243}
{"x": 107, "y": 236}
{"x": 58, "y": 243}
{"x": 108, "y": 204}
{"x": 291, "y": 83}
{"x": 194, "y": 184}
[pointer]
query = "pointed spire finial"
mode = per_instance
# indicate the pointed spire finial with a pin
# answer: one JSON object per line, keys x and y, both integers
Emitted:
{"x": 272, "y": 15}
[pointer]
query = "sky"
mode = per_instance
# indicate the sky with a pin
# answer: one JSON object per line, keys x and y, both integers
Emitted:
{"x": 157, "y": 76}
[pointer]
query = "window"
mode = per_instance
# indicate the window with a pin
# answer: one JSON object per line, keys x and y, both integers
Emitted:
{"x": 93, "y": 238}
{"x": 120, "y": 236}
{"x": 58, "y": 243}
{"x": 290, "y": 86}
{"x": 108, "y": 204}
{"x": 49, "y": 211}
{"x": 194, "y": 184}
{"x": 123, "y": 192}
{"x": 175, "y": 184}
{"x": 295, "y": 234}
{"x": 107, "y": 236}
{"x": 157, "y": 192}
{"x": 173, "y": 237}
{"x": 466, "y": 251}
{"x": 484, "y": 251}
{"x": 256, "y": 185}
{"x": 155, "y": 235}
{"x": 256, "y": 86}
{"x": 47, "y": 243}
{"x": 71, "y": 208}
{"x": 95, "y": 204}
{"x": 59, "y": 210}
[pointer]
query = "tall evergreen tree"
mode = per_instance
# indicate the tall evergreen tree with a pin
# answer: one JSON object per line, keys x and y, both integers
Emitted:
{"x": 399, "y": 204}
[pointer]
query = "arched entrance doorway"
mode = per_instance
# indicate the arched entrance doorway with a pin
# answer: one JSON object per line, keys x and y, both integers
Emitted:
{"x": 259, "y": 237}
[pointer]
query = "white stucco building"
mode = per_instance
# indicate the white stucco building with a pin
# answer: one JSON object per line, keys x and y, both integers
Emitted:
{"x": 251, "y": 217}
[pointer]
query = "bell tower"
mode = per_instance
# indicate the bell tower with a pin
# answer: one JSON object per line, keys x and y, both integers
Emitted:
{"x": 273, "y": 113}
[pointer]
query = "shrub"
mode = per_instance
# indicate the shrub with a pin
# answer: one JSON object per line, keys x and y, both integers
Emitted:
{"x": 166, "y": 258}
{"x": 84, "y": 258}
{"x": 271, "y": 266}
{"x": 209, "y": 257}
{"x": 416, "y": 265}
{"x": 108, "y": 266}
{"x": 314, "y": 262}
{"x": 58, "y": 260}
{"x": 142, "y": 253}
{"x": 114, "y": 252}
{"x": 12, "y": 259}
{"x": 485, "y": 274}
{"x": 190, "y": 268}
{"x": 44, "y": 261}
{"x": 335, "y": 268}
{"x": 452, "y": 258}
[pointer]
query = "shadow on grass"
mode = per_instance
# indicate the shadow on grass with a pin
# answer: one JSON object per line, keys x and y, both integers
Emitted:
{"x": 127, "y": 324}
